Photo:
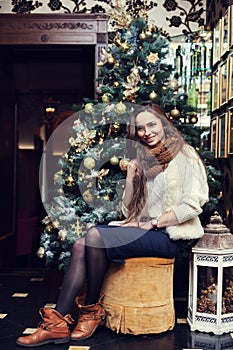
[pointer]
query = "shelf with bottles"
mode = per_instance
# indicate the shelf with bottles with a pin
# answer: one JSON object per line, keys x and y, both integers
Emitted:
{"x": 192, "y": 70}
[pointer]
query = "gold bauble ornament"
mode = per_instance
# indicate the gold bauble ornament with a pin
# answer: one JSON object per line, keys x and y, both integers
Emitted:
{"x": 70, "y": 181}
{"x": 152, "y": 95}
{"x": 110, "y": 59}
{"x": 120, "y": 107}
{"x": 116, "y": 84}
{"x": 89, "y": 163}
{"x": 124, "y": 164}
{"x": 142, "y": 36}
{"x": 175, "y": 113}
{"x": 40, "y": 252}
{"x": 114, "y": 160}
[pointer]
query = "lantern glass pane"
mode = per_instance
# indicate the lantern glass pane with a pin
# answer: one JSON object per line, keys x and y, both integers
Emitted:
{"x": 227, "y": 300}
{"x": 207, "y": 279}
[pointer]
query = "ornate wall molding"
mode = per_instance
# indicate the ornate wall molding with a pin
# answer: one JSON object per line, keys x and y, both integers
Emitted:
{"x": 53, "y": 29}
{"x": 48, "y": 26}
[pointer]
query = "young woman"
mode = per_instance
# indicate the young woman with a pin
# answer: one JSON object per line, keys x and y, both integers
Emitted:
{"x": 165, "y": 188}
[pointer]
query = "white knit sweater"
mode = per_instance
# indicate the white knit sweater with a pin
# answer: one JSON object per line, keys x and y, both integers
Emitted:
{"x": 183, "y": 188}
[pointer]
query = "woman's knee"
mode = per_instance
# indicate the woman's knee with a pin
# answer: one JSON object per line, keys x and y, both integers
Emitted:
{"x": 93, "y": 238}
{"x": 78, "y": 248}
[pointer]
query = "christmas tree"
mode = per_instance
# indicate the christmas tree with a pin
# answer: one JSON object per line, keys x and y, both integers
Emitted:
{"x": 132, "y": 70}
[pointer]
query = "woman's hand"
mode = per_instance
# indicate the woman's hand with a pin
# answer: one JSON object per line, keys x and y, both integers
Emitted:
{"x": 131, "y": 170}
{"x": 143, "y": 225}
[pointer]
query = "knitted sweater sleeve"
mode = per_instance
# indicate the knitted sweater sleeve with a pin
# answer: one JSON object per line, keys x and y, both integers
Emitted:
{"x": 194, "y": 190}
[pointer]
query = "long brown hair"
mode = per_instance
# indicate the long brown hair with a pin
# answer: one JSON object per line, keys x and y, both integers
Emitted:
{"x": 138, "y": 150}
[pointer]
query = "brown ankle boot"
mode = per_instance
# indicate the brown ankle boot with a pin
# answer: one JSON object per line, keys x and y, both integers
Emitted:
{"x": 53, "y": 329}
{"x": 89, "y": 318}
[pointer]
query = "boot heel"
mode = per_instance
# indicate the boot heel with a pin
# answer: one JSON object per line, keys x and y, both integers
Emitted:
{"x": 62, "y": 340}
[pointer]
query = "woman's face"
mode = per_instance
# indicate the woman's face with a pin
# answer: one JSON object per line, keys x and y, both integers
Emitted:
{"x": 149, "y": 128}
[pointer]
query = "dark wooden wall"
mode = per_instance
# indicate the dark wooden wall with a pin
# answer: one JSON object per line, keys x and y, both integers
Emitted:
{"x": 215, "y": 9}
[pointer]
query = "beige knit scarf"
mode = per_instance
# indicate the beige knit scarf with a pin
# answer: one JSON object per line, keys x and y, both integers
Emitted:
{"x": 157, "y": 158}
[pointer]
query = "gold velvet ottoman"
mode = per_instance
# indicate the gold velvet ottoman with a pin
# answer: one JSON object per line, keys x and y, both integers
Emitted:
{"x": 139, "y": 296}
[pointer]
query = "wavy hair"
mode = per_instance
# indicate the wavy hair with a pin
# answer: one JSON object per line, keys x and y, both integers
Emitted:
{"x": 137, "y": 150}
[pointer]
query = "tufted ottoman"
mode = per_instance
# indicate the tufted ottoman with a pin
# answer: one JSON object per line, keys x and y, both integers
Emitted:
{"x": 139, "y": 296}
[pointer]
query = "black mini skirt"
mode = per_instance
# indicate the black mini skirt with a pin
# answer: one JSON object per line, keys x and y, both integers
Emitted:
{"x": 123, "y": 242}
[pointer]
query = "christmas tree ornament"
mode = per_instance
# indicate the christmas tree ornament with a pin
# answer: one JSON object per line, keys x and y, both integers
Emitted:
{"x": 173, "y": 84}
{"x": 115, "y": 84}
{"x": 104, "y": 55}
{"x": 152, "y": 57}
{"x": 89, "y": 108}
{"x": 142, "y": 36}
{"x": 124, "y": 164}
{"x": 89, "y": 163}
{"x": 114, "y": 160}
{"x": 70, "y": 181}
{"x": 148, "y": 33}
{"x": 120, "y": 108}
{"x": 107, "y": 198}
{"x": 153, "y": 95}
{"x": 135, "y": 70}
{"x": 41, "y": 252}
{"x": 102, "y": 173}
{"x": 125, "y": 46}
{"x": 106, "y": 98}
{"x": 175, "y": 113}
{"x": 151, "y": 79}
{"x": 110, "y": 59}
{"x": 115, "y": 127}
{"x": 49, "y": 228}
{"x": 117, "y": 41}
{"x": 62, "y": 234}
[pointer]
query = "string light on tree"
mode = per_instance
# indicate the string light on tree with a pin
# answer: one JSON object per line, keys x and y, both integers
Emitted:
{"x": 41, "y": 252}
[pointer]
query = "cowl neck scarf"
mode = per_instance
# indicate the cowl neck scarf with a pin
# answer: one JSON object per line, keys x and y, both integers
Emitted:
{"x": 156, "y": 159}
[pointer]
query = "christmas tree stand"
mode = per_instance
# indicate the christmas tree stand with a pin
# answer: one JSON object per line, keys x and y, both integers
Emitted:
{"x": 139, "y": 296}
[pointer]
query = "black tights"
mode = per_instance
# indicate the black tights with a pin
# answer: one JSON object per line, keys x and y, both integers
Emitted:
{"x": 89, "y": 262}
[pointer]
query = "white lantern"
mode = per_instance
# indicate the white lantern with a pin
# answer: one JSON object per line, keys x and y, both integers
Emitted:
{"x": 210, "y": 304}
